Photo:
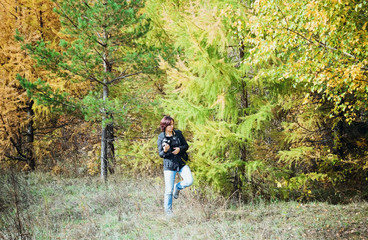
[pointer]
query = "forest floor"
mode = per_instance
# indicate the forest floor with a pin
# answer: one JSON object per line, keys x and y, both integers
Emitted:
{"x": 126, "y": 208}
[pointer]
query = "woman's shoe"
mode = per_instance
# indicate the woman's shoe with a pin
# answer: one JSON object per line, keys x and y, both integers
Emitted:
{"x": 176, "y": 192}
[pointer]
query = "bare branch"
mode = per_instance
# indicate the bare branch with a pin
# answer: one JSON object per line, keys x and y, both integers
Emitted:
{"x": 85, "y": 3}
{"x": 65, "y": 15}
{"x": 287, "y": 23}
{"x": 96, "y": 80}
{"x": 19, "y": 151}
{"x": 335, "y": 49}
{"x": 59, "y": 126}
{"x": 16, "y": 158}
{"x": 122, "y": 77}
{"x": 4, "y": 126}
{"x": 9, "y": 11}
{"x": 98, "y": 53}
{"x": 315, "y": 40}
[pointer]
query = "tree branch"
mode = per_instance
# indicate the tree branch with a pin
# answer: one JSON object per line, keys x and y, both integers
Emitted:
{"x": 96, "y": 80}
{"x": 60, "y": 126}
{"x": 287, "y": 23}
{"x": 17, "y": 148}
{"x": 53, "y": 99}
{"x": 122, "y": 77}
{"x": 5, "y": 130}
{"x": 316, "y": 41}
{"x": 66, "y": 16}
{"x": 16, "y": 158}
{"x": 85, "y": 3}
{"x": 9, "y": 11}
{"x": 98, "y": 53}
{"x": 335, "y": 49}
{"x": 71, "y": 21}
{"x": 82, "y": 75}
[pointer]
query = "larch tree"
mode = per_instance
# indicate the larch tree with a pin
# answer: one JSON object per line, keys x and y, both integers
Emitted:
{"x": 267, "y": 89}
{"x": 34, "y": 20}
{"x": 99, "y": 46}
{"x": 208, "y": 92}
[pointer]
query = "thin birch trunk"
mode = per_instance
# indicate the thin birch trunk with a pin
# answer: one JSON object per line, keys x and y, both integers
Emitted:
{"x": 103, "y": 139}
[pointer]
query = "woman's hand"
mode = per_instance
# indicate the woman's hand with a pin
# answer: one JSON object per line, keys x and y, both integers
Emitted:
{"x": 166, "y": 147}
{"x": 176, "y": 151}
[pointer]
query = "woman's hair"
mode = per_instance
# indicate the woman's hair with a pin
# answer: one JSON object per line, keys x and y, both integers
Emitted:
{"x": 166, "y": 121}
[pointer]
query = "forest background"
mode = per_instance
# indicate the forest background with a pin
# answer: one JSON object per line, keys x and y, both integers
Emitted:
{"x": 271, "y": 95}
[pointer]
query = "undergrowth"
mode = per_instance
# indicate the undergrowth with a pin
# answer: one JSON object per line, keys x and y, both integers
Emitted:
{"x": 55, "y": 207}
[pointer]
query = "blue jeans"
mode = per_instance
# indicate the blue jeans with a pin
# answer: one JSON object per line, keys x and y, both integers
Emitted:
{"x": 169, "y": 176}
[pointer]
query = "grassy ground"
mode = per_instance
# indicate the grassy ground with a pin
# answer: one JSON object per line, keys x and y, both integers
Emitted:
{"x": 65, "y": 208}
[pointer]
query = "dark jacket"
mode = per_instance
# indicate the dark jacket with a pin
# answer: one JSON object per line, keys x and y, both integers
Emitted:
{"x": 173, "y": 162}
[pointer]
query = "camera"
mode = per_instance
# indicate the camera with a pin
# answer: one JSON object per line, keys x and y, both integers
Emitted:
{"x": 165, "y": 141}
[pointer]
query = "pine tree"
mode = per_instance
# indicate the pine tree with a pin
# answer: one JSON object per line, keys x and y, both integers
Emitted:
{"x": 100, "y": 45}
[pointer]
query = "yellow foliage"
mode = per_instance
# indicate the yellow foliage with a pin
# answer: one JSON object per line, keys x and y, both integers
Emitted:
{"x": 56, "y": 170}
{"x": 93, "y": 161}
{"x": 361, "y": 142}
{"x": 25, "y": 17}
{"x": 26, "y": 168}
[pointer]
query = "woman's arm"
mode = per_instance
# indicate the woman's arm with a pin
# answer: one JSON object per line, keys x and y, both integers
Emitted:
{"x": 161, "y": 151}
{"x": 183, "y": 143}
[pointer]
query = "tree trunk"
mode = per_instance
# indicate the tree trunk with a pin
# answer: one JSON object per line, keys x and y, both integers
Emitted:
{"x": 41, "y": 25}
{"x": 104, "y": 139}
{"x": 338, "y": 132}
{"x": 240, "y": 171}
{"x": 110, "y": 147}
{"x": 107, "y": 136}
{"x": 30, "y": 137}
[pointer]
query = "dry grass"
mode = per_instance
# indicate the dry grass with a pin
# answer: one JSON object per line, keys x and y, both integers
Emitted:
{"x": 66, "y": 208}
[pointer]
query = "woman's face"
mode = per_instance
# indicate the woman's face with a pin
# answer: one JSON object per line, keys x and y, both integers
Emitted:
{"x": 170, "y": 128}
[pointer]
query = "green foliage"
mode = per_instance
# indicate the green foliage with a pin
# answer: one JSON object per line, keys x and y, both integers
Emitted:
{"x": 139, "y": 157}
{"x": 303, "y": 183}
{"x": 270, "y": 94}
{"x": 266, "y": 73}
{"x": 320, "y": 45}
{"x": 295, "y": 156}
{"x": 92, "y": 106}
{"x": 210, "y": 93}
{"x": 86, "y": 49}
{"x": 18, "y": 37}
{"x": 101, "y": 47}
{"x": 40, "y": 90}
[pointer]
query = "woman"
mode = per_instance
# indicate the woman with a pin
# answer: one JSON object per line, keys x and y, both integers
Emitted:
{"x": 172, "y": 148}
